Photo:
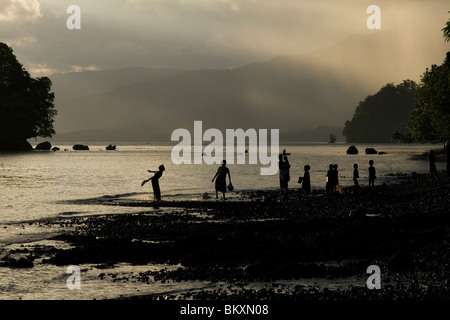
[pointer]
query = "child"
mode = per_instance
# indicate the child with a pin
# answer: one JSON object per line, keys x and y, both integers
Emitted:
{"x": 355, "y": 175}
{"x": 306, "y": 183}
{"x": 330, "y": 179}
{"x": 336, "y": 177}
{"x": 372, "y": 174}
{"x": 155, "y": 182}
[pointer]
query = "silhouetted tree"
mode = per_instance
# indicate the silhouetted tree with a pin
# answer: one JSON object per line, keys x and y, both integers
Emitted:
{"x": 26, "y": 104}
{"x": 332, "y": 138}
{"x": 380, "y": 114}
{"x": 446, "y": 30}
{"x": 430, "y": 120}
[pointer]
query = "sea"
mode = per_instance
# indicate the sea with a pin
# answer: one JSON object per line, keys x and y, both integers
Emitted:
{"x": 43, "y": 185}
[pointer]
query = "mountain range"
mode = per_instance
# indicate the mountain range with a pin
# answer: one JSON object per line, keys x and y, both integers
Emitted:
{"x": 299, "y": 94}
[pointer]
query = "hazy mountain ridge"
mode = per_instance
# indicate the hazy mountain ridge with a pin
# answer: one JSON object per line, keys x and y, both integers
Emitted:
{"x": 295, "y": 94}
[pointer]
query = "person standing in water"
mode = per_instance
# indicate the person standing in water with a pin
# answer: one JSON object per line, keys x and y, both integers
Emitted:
{"x": 283, "y": 166}
{"x": 372, "y": 174}
{"x": 330, "y": 179}
{"x": 221, "y": 179}
{"x": 306, "y": 182}
{"x": 432, "y": 160}
{"x": 355, "y": 175}
{"x": 155, "y": 182}
{"x": 335, "y": 177}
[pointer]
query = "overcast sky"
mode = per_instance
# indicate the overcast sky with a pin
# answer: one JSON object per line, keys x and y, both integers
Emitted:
{"x": 196, "y": 33}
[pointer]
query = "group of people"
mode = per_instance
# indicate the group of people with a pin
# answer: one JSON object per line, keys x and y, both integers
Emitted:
{"x": 332, "y": 177}
{"x": 372, "y": 175}
{"x": 220, "y": 177}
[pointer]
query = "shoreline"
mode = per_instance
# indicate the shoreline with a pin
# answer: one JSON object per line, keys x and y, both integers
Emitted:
{"x": 404, "y": 228}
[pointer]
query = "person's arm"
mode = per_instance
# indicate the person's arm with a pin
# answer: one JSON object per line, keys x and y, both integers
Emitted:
{"x": 229, "y": 175}
{"x": 215, "y": 176}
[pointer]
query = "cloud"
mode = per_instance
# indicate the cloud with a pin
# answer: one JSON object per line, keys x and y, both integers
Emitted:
{"x": 22, "y": 41}
{"x": 81, "y": 68}
{"x": 40, "y": 70}
{"x": 20, "y": 10}
{"x": 203, "y": 33}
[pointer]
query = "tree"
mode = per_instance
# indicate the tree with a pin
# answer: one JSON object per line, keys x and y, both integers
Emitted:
{"x": 380, "y": 114}
{"x": 446, "y": 31}
{"x": 430, "y": 120}
{"x": 26, "y": 104}
{"x": 332, "y": 138}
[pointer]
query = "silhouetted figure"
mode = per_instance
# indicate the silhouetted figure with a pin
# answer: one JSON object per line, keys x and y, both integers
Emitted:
{"x": 306, "y": 182}
{"x": 447, "y": 150}
{"x": 335, "y": 177}
{"x": 155, "y": 182}
{"x": 221, "y": 179}
{"x": 284, "y": 166}
{"x": 330, "y": 179}
{"x": 355, "y": 175}
{"x": 288, "y": 169}
{"x": 372, "y": 174}
{"x": 432, "y": 160}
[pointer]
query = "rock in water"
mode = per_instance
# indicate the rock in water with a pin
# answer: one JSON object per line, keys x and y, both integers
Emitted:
{"x": 44, "y": 146}
{"x": 371, "y": 151}
{"x": 111, "y": 147}
{"x": 8, "y": 146}
{"x": 352, "y": 150}
{"x": 80, "y": 147}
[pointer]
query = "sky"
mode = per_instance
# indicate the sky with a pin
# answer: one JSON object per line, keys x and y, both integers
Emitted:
{"x": 192, "y": 34}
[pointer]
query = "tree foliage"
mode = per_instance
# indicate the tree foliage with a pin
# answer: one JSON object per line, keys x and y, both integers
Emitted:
{"x": 380, "y": 114}
{"x": 446, "y": 30}
{"x": 26, "y": 104}
{"x": 430, "y": 120}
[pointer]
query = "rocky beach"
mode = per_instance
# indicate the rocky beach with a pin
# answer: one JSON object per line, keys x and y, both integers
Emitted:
{"x": 260, "y": 236}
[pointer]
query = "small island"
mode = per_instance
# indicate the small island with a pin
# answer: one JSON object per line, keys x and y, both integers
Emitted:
{"x": 332, "y": 138}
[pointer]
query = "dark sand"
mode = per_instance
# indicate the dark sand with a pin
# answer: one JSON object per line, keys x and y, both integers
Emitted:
{"x": 402, "y": 228}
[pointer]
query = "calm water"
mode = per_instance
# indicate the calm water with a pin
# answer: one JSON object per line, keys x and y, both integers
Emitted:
{"x": 36, "y": 185}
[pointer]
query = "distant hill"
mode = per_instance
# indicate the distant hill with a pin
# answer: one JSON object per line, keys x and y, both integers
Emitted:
{"x": 376, "y": 118}
{"x": 293, "y": 94}
{"x": 141, "y": 134}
